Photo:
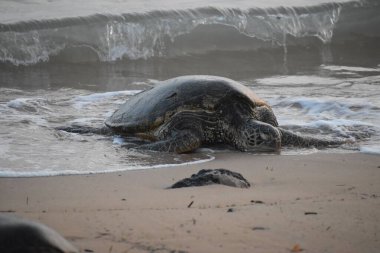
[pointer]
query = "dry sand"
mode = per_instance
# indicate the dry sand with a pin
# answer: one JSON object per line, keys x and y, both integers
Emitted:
{"x": 318, "y": 203}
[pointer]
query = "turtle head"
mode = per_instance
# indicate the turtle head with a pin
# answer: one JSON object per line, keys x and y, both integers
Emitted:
{"x": 265, "y": 114}
{"x": 258, "y": 136}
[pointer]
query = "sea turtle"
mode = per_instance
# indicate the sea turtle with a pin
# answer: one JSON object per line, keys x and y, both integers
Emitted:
{"x": 181, "y": 114}
{"x": 20, "y": 235}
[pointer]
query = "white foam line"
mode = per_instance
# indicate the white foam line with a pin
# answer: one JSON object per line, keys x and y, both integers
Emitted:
{"x": 370, "y": 150}
{"x": 349, "y": 68}
{"x": 47, "y": 173}
{"x": 337, "y": 123}
{"x": 97, "y": 96}
{"x": 83, "y": 100}
{"x": 298, "y": 80}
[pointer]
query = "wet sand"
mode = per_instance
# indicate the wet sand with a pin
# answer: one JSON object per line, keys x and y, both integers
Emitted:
{"x": 314, "y": 203}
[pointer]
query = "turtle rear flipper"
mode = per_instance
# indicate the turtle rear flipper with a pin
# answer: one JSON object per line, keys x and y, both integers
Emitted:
{"x": 181, "y": 142}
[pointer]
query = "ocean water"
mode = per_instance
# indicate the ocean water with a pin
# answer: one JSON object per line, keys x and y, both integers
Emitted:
{"x": 64, "y": 62}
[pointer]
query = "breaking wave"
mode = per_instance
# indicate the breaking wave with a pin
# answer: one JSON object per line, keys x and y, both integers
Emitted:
{"x": 131, "y": 36}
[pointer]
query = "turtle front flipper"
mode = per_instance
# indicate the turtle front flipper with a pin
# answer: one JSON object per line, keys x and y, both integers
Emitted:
{"x": 293, "y": 139}
{"x": 180, "y": 142}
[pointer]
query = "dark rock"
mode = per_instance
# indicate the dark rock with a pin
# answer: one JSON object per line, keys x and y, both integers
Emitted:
{"x": 19, "y": 235}
{"x": 215, "y": 176}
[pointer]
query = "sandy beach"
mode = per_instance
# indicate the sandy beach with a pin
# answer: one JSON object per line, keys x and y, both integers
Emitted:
{"x": 309, "y": 203}
{"x": 67, "y": 66}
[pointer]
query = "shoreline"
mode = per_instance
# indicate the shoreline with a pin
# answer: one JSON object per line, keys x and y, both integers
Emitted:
{"x": 211, "y": 158}
{"x": 320, "y": 202}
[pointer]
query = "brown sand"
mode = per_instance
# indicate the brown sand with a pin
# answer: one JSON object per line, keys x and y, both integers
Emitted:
{"x": 318, "y": 203}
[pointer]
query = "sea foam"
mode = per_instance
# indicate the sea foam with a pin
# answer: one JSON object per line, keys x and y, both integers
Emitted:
{"x": 84, "y": 100}
{"x": 61, "y": 172}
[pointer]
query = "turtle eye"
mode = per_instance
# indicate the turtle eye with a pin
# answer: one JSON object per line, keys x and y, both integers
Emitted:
{"x": 172, "y": 95}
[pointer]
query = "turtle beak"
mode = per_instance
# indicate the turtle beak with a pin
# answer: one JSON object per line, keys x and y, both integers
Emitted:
{"x": 273, "y": 146}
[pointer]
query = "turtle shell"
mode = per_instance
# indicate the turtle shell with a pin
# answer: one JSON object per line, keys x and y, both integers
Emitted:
{"x": 149, "y": 109}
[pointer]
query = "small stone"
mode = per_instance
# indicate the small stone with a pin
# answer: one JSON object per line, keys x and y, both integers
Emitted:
{"x": 311, "y": 213}
{"x": 296, "y": 248}
{"x": 259, "y": 228}
{"x": 230, "y": 210}
{"x": 257, "y": 202}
